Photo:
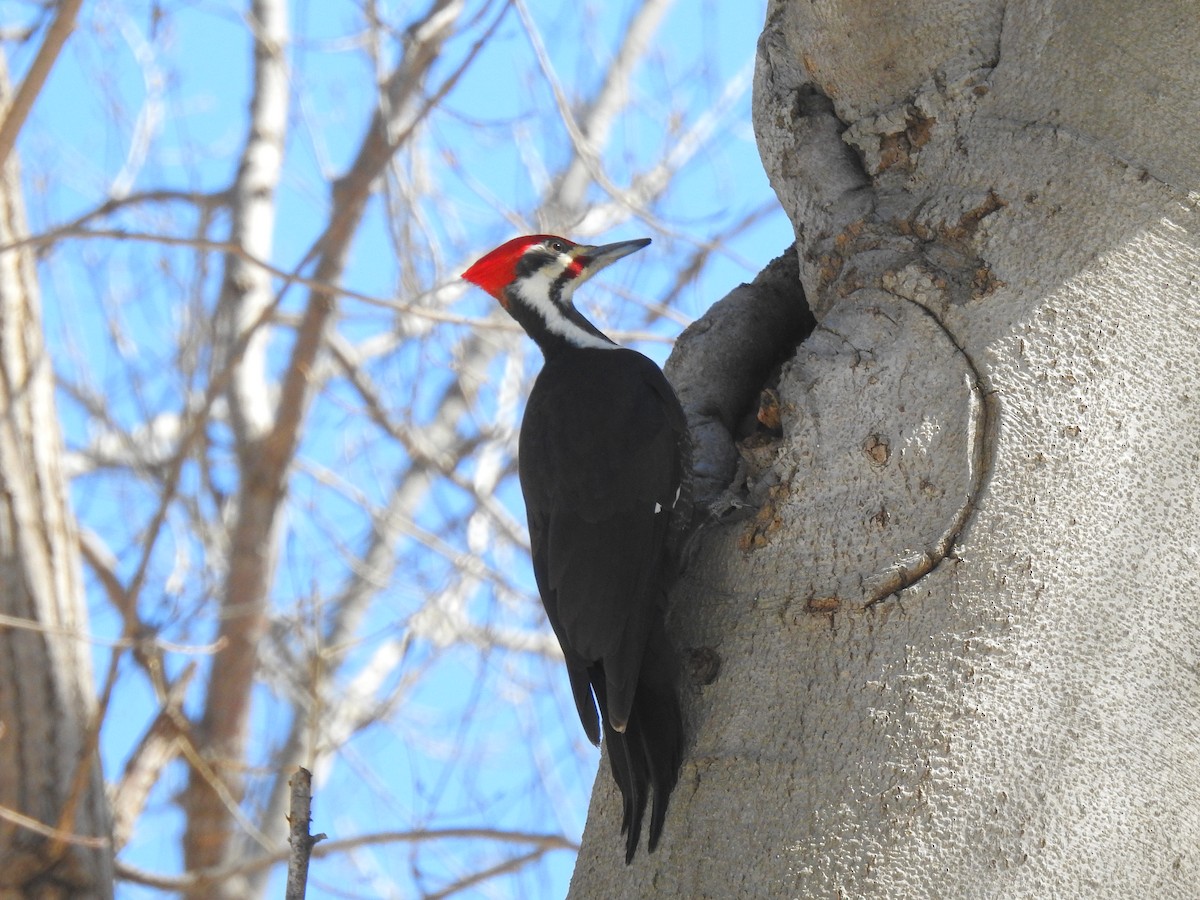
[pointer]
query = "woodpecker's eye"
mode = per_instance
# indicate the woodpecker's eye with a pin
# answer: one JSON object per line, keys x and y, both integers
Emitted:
{"x": 557, "y": 246}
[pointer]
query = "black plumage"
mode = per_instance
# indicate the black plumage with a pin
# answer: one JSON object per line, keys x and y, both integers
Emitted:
{"x": 600, "y": 463}
{"x": 602, "y": 456}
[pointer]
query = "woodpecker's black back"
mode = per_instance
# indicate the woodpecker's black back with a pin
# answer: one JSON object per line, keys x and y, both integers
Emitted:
{"x": 602, "y": 456}
{"x": 600, "y": 465}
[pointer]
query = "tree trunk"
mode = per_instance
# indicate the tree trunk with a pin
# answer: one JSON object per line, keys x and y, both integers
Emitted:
{"x": 958, "y": 643}
{"x": 54, "y": 829}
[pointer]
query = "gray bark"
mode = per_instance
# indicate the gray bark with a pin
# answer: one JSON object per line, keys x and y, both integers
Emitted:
{"x": 54, "y": 828}
{"x": 959, "y": 640}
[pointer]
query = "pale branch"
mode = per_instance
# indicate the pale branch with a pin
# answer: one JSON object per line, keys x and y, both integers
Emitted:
{"x": 584, "y": 151}
{"x": 99, "y": 558}
{"x": 422, "y": 452}
{"x": 22, "y": 101}
{"x": 700, "y": 255}
{"x": 644, "y": 188}
{"x": 245, "y": 287}
{"x": 202, "y": 201}
{"x": 390, "y": 525}
{"x": 364, "y": 581}
{"x": 159, "y": 746}
{"x": 16, "y": 34}
{"x": 52, "y": 832}
{"x": 142, "y": 449}
{"x": 300, "y": 840}
{"x": 264, "y": 471}
{"x": 613, "y": 96}
{"x": 389, "y": 128}
{"x": 216, "y": 783}
{"x": 150, "y": 114}
{"x": 347, "y": 609}
{"x": 159, "y": 644}
{"x": 509, "y": 865}
{"x": 442, "y": 294}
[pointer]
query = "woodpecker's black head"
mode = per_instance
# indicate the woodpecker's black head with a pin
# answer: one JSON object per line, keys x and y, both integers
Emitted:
{"x": 534, "y": 278}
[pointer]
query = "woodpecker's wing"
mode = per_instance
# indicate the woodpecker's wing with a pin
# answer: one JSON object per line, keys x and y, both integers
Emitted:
{"x": 600, "y": 465}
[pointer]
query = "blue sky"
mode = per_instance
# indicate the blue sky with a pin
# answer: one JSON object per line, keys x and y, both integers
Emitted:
{"x": 482, "y": 738}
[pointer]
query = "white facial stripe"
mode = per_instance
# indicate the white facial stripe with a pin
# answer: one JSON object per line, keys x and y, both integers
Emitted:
{"x": 535, "y": 292}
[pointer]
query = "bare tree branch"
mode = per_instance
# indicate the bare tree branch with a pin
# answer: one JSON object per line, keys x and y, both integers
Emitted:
{"x": 324, "y": 480}
{"x": 613, "y": 96}
{"x": 215, "y": 789}
{"x": 159, "y": 746}
{"x": 300, "y": 841}
{"x": 22, "y": 101}
{"x": 196, "y": 880}
{"x": 49, "y": 771}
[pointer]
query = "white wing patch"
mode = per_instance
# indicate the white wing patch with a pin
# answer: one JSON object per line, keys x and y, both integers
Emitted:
{"x": 657, "y": 507}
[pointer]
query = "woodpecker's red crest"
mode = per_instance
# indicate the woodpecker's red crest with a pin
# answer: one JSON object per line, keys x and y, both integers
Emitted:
{"x": 563, "y": 263}
{"x": 498, "y": 269}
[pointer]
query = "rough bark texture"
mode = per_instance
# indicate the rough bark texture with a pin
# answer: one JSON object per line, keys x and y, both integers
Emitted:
{"x": 958, "y": 644}
{"x": 54, "y": 830}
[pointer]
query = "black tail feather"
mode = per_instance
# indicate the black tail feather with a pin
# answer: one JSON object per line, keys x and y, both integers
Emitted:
{"x": 660, "y": 735}
{"x": 628, "y": 770}
{"x": 647, "y": 755}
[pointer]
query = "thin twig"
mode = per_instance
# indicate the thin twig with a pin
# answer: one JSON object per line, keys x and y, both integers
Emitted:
{"x": 300, "y": 841}
{"x": 55, "y": 834}
{"x": 123, "y": 643}
{"x": 502, "y": 868}
{"x": 159, "y": 746}
{"x": 194, "y": 880}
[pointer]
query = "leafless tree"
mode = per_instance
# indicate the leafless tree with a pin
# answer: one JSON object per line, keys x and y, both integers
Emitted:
{"x": 53, "y": 814}
{"x": 291, "y": 428}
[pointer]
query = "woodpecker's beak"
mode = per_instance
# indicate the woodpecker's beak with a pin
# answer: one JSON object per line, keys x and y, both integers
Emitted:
{"x": 594, "y": 259}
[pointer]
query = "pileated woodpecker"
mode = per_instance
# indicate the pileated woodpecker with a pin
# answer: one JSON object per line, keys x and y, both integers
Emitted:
{"x": 601, "y": 461}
